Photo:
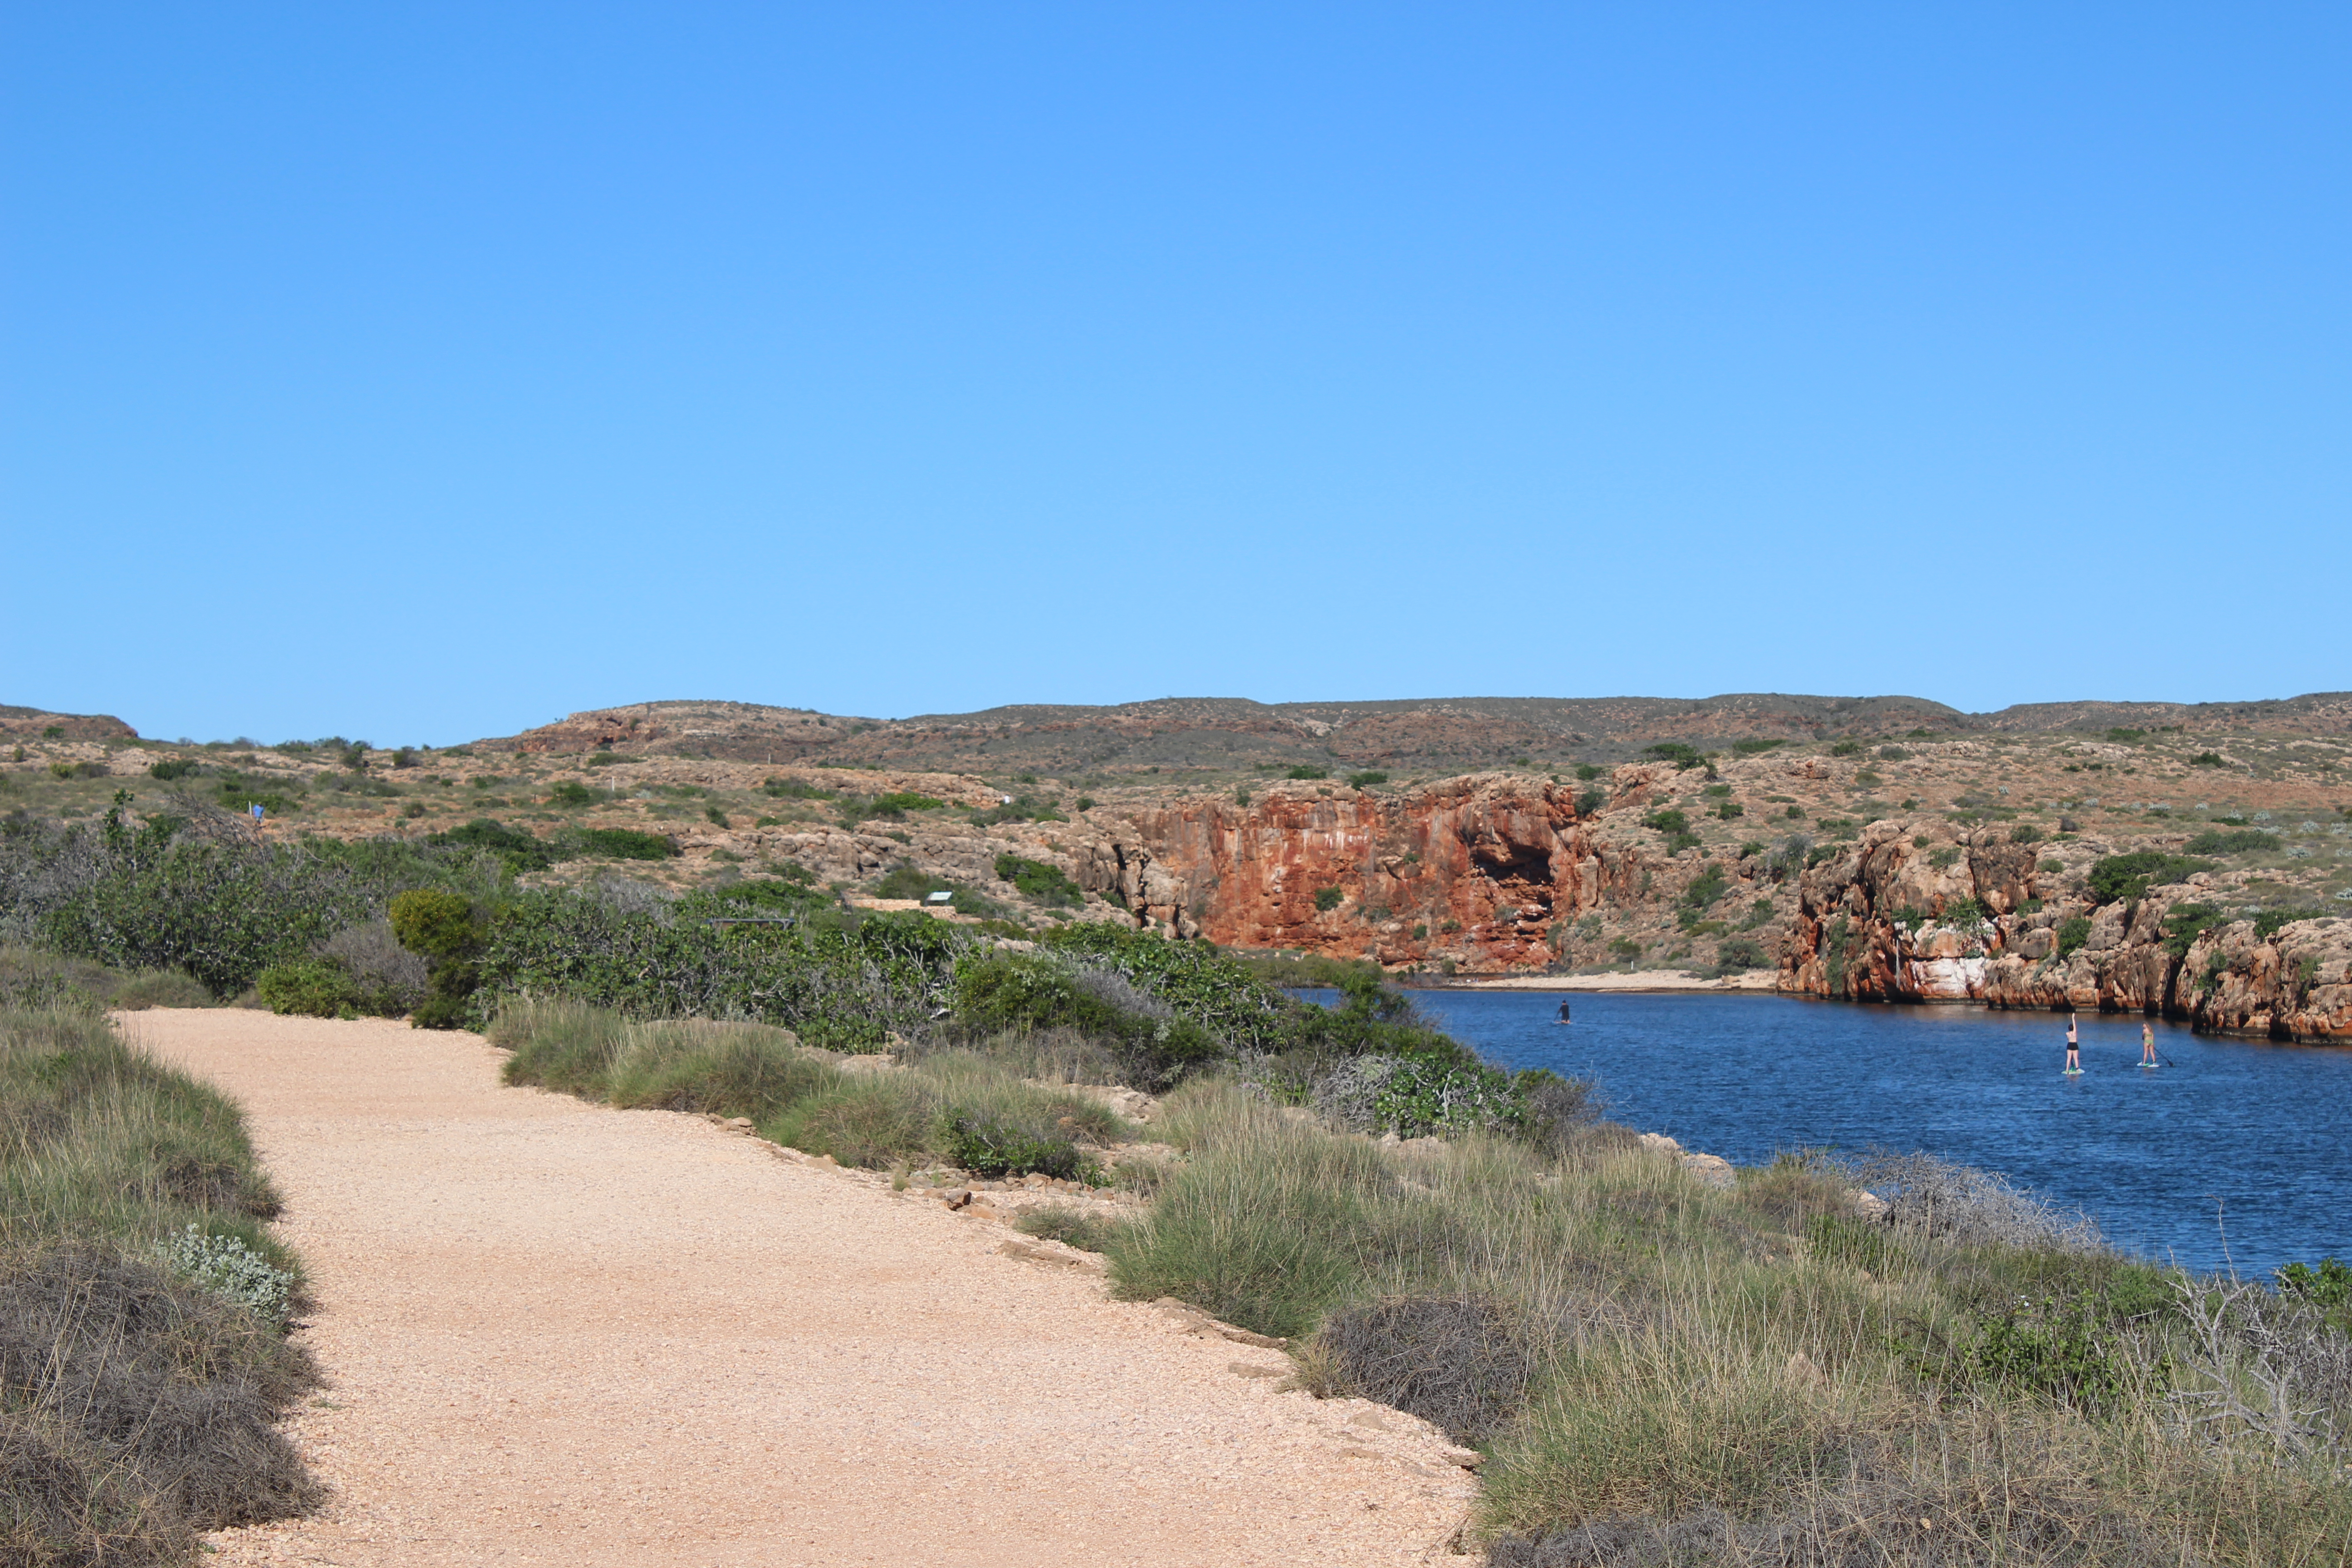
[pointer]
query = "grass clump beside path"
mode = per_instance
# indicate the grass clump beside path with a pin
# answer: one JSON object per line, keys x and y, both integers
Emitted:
{"x": 142, "y": 1365}
{"x": 953, "y": 1105}
{"x": 1666, "y": 1373}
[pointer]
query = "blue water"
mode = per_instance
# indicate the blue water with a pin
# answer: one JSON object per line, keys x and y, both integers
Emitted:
{"x": 2261, "y": 1130}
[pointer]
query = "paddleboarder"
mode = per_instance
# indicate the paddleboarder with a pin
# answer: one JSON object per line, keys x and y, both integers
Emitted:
{"x": 1563, "y": 1012}
{"x": 2146, "y": 1043}
{"x": 2074, "y": 1049}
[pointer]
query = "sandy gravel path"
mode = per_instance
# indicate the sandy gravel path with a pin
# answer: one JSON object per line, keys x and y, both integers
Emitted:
{"x": 560, "y": 1333}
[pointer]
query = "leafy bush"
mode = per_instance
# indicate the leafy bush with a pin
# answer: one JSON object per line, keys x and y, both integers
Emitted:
{"x": 793, "y": 789}
{"x": 2127, "y": 877}
{"x": 2072, "y": 934}
{"x": 1586, "y": 772}
{"x": 2184, "y": 923}
{"x": 626, "y": 844}
{"x": 1683, "y": 755}
{"x": 1329, "y": 899}
{"x": 1367, "y": 778}
{"x": 310, "y": 987}
{"x": 569, "y": 793}
{"x": 517, "y": 848}
{"x": 2024, "y": 832}
{"x": 2245, "y": 841}
{"x": 2208, "y": 760}
{"x": 1741, "y": 952}
{"x": 1845, "y": 749}
{"x": 1307, "y": 770}
{"x": 2124, "y": 735}
{"x": 989, "y": 1147}
{"x": 1039, "y": 882}
{"x": 1756, "y": 747}
{"x": 1021, "y": 809}
{"x": 176, "y": 768}
{"x": 1589, "y": 801}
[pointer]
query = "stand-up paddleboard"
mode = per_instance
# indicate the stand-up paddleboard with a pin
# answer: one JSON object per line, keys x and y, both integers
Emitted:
{"x": 2073, "y": 1072}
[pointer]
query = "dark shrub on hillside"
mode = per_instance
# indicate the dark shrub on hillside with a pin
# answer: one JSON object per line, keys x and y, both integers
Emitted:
{"x": 793, "y": 789}
{"x": 569, "y": 792}
{"x": 2072, "y": 934}
{"x": 176, "y": 768}
{"x": 1739, "y": 952}
{"x": 1751, "y": 748}
{"x": 1039, "y": 882}
{"x": 1329, "y": 898}
{"x": 626, "y": 844}
{"x": 1308, "y": 771}
{"x": 1683, "y": 755}
{"x": 2246, "y": 841}
{"x": 1366, "y": 779}
{"x": 2127, "y": 877}
{"x": 521, "y": 849}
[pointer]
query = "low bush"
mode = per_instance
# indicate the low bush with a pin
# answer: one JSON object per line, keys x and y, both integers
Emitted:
{"x": 2125, "y": 877}
{"x": 2208, "y": 760}
{"x": 1846, "y": 749}
{"x": 793, "y": 789}
{"x": 624, "y": 844}
{"x": 1366, "y": 779}
{"x": 1586, "y": 772}
{"x": 571, "y": 793}
{"x": 1750, "y": 748}
{"x": 987, "y": 1146}
{"x": 519, "y": 849}
{"x": 2245, "y": 841}
{"x": 1329, "y": 898}
{"x": 1039, "y": 883}
{"x": 176, "y": 768}
{"x": 1683, "y": 755}
{"x": 1305, "y": 771}
{"x": 2072, "y": 934}
{"x": 1085, "y": 1229}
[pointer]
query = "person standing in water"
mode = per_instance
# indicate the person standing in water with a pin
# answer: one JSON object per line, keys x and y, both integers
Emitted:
{"x": 2073, "y": 1049}
{"x": 1563, "y": 1012}
{"x": 2146, "y": 1043}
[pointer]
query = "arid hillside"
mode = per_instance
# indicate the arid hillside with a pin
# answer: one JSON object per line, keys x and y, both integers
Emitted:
{"x": 1956, "y": 857}
{"x": 1188, "y": 736}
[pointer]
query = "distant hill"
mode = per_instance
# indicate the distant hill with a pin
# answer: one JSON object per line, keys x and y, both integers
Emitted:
{"x": 1179, "y": 733}
{"x": 35, "y": 723}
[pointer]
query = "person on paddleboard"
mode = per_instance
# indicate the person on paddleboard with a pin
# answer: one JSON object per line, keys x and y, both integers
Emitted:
{"x": 1563, "y": 1012}
{"x": 2146, "y": 1043}
{"x": 2073, "y": 1047}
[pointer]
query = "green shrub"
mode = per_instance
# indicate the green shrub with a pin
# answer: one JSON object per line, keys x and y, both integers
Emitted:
{"x": 1754, "y": 747}
{"x": 2246, "y": 841}
{"x": 1731, "y": 810}
{"x": 793, "y": 789}
{"x": 231, "y": 1271}
{"x": 2072, "y": 934}
{"x": 1683, "y": 756}
{"x": 1021, "y": 809}
{"x": 715, "y": 817}
{"x": 626, "y": 844}
{"x": 2206, "y": 760}
{"x": 2125, "y": 736}
{"x": 569, "y": 792}
{"x": 1039, "y": 882}
{"x": 2184, "y": 923}
{"x": 1366, "y": 779}
{"x": 519, "y": 849}
{"x": 1306, "y": 770}
{"x": 987, "y": 1146}
{"x": 1586, "y": 772}
{"x": 1741, "y": 952}
{"x": 310, "y": 987}
{"x": 1591, "y": 801}
{"x": 1082, "y": 1228}
{"x": 2024, "y": 832}
{"x": 176, "y": 768}
{"x": 1329, "y": 899}
{"x": 2123, "y": 877}
{"x": 1845, "y": 749}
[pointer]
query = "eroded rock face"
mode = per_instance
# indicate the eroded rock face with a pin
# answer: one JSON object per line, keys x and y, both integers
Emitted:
{"x": 1883, "y": 921}
{"x": 1501, "y": 858}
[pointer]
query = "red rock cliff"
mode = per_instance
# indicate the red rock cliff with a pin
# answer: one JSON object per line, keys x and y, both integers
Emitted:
{"x": 1479, "y": 869}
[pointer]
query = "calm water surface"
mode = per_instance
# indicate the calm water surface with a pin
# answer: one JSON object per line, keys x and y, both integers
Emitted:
{"x": 2262, "y": 1128}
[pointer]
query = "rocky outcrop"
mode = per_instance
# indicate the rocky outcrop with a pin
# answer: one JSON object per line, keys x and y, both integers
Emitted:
{"x": 1480, "y": 871}
{"x": 1917, "y": 912}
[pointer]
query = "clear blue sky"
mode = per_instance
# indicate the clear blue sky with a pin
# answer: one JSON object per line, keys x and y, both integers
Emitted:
{"x": 422, "y": 371}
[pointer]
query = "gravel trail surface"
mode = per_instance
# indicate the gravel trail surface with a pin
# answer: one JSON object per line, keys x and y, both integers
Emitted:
{"x": 555, "y": 1332}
